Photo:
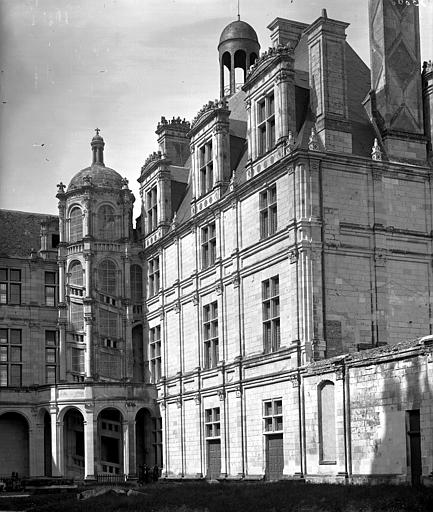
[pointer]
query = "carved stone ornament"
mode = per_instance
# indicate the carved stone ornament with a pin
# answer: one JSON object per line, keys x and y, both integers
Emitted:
{"x": 174, "y": 221}
{"x": 376, "y": 153}
{"x": 195, "y": 300}
{"x": 179, "y": 403}
{"x": 313, "y": 141}
{"x": 238, "y": 392}
{"x": 293, "y": 256}
{"x": 294, "y": 381}
{"x": 89, "y": 406}
{"x": 61, "y": 188}
{"x": 290, "y": 143}
{"x": 221, "y": 395}
{"x": 282, "y": 76}
{"x": 162, "y": 405}
{"x": 339, "y": 373}
{"x": 125, "y": 183}
{"x": 219, "y": 289}
{"x": 236, "y": 281}
{"x": 87, "y": 180}
{"x": 232, "y": 181}
{"x": 177, "y": 307}
{"x": 197, "y": 399}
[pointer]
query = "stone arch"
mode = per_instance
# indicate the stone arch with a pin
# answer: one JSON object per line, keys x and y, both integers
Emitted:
{"x": 109, "y": 450}
{"x": 148, "y": 438}
{"x": 226, "y": 63}
{"x": 75, "y": 269}
{"x": 73, "y": 441}
{"x": 240, "y": 66}
{"x": 14, "y": 443}
{"x": 75, "y": 217}
{"x": 327, "y": 424}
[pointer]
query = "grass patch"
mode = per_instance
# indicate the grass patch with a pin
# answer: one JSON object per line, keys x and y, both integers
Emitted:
{"x": 239, "y": 497}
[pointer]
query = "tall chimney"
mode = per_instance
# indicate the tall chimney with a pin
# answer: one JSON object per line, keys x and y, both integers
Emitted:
{"x": 396, "y": 94}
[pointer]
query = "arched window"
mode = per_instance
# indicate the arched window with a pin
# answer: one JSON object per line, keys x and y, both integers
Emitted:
{"x": 136, "y": 283}
{"x": 106, "y": 223}
{"x": 107, "y": 277}
{"x": 75, "y": 225}
{"x": 327, "y": 438}
{"x": 76, "y": 271}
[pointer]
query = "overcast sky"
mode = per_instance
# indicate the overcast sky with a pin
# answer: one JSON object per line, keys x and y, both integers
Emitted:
{"x": 69, "y": 66}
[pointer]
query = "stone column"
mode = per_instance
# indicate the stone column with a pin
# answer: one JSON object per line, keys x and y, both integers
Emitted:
{"x": 88, "y": 321}
{"x": 250, "y": 122}
{"x": 57, "y": 453}
{"x": 427, "y": 79}
{"x": 62, "y": 343}
{"x": 222, "y": 170}
{"x": 90, "y": 431}
{"x": 232, "y": 75}
{"x": 285, "y": 101}
{"x": 36, "y": 449}
{"x": 62, "y": 222}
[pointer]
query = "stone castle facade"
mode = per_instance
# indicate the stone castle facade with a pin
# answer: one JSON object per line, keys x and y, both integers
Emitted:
{"x": 256, "y": 322}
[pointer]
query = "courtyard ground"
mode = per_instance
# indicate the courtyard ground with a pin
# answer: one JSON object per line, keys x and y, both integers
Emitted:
{"x": 236, "y": 497}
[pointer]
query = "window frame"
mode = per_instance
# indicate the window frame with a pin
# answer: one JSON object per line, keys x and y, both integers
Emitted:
{"x": 265, "y": 121}
{"x": 271, "y": 314}
{"x": 155, "y": 358}
{"x": 208, "y": 245}
{"x": 75, "y": 228}
{"x": 206, "y": 174}
{"x": 212, "y": 423}
{"x": 276, "y": 417}
{"x": 268, "y": 211}
{"x": 210, "y": 335}
{"x": 10, "y": 347}
{"x": 154, "y": 276}
{"x": 51, "y": 288}
{"x": 152, "y": 209}
{"x": 10, "y": 287}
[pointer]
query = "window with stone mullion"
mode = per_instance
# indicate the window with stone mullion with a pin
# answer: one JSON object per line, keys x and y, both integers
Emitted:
{"x": 208, "y": 245}
{"x": 266, "y": 124}
{"x": 155, "y": 354}
{"x": 268, "y": 212}
{"x": 10, "y": 286}
{"x": 206, "y": 168}
{"x": 273, "y": 415}
{"x": 271, "y": 314}
{"x": 212, "y": 422}
{"x": 154, "y": 276}
{"x": 210, "y": 335}
{"x": 152, "y": 210}
{"x": 10, "y": 357}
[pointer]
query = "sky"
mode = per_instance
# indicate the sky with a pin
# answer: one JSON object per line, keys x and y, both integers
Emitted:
{"x": 70, "y": 66}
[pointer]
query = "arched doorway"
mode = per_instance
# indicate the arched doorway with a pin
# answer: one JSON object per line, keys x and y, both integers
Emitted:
{"x": 73, "y": 432}
{"x": 110, "y": 443}
{"x": 148, "y": 439}
{"x": 14, "y": 444}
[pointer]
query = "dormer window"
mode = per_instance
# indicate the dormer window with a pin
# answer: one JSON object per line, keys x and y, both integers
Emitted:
{"x": 152, "y": 210}
{"x": 206, "y": 168}
{"x": 266, "y": 124}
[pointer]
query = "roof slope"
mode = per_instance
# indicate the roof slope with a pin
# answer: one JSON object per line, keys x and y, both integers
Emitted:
{"x": 20, "y": 232}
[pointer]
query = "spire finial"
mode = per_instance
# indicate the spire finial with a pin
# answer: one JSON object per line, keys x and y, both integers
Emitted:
{"x": 97, "y": 130}
{"x": 239, "y": 13}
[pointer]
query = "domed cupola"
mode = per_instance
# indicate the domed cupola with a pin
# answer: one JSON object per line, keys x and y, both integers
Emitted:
{"x": 238, "y": 50}
{"x": 97, "y": 174}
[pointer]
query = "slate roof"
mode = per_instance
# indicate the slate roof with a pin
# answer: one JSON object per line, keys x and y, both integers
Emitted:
{"x": 20, "y": 232}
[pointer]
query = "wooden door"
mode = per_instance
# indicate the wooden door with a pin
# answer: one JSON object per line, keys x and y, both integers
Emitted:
{"x": 274, "y": 456}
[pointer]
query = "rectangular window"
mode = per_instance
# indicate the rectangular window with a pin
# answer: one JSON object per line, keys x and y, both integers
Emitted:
{"x": 155, "y": 354}
{"x": 208, "y": 245}
{"x": 77, "y": 360}
{"x": 77, "y": 316}
{"x": 266, "y": 124}
{"x": 273, "y": 416}
{"x": 327, "y": 439}
{"x": 268, "y": 212}
{"x": 271, "y": 314}
{"x": 10, "y": 286}
{"x": 10, "y": 357}
{"x": 212, "y": 422}
{"x": 50, "y": 357}
{"x": 206, "y": 168}
{"x": 50, "y": 289}
{"x": 153, "y": 271}
{"x": 152, "y": 210}
{"x": 210, "y": 335}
